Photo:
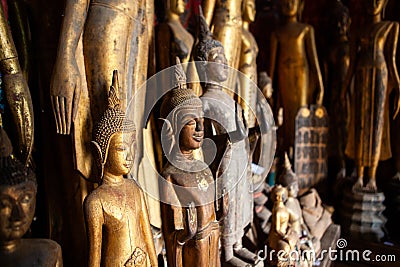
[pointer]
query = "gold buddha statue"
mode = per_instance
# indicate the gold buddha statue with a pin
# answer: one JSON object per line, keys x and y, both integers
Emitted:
{"x": 16, "y": 91}
{"x": 373, "y": 69}
{"x": 172, "y": 39}
{"x": 281, "y": 237}
{"x": 289, "y": 180}
{"x": 189, "y": 207}
{"x": 18, "y": 189}
{"x": 116, "y": 214}
{"x": 247, "y": 64}
{"x": 294, "y": 68}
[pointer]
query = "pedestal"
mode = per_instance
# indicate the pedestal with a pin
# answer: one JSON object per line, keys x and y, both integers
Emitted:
{"x": 361, "y": 215}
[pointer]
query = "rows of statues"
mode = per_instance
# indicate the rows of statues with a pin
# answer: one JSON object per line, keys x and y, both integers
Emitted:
{"x": 194, "y": 169}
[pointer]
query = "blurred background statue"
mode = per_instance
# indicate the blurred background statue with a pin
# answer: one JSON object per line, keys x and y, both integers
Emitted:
{"x": 117, "y": 219}
{"x": 373, "y": 68}
{"x": 294, "y": 69}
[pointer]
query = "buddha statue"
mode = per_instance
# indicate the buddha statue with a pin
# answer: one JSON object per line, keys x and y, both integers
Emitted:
{"x": 116, "y": 214}
{"x": 18, "y": 189}
{"x": 294, "y": 69}
{"x": 172, "y": 39}
{"x": 337, "y": 64}
{"x": 289, "y": 180}
{"x": 189, "y": 208}
{"x": 281, "y": 237}
{"x": 16, "y": 91}
{"x": 97, "y": 37}
{"x": 224, "y": 18}
{"x": 373, "y": 69}
{"x": 247, "y": 64}
{"x": 222, "y": 118}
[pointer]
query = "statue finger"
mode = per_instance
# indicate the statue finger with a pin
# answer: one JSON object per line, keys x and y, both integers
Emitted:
{"x": 63, "y": 115}
{"x": 57, "y": 114}
{"x": 76, "y": 98}
{"x": 68, "y": 110}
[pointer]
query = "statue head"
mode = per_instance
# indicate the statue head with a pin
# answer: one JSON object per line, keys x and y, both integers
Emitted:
{"x": 17, "y": 194}
{"x": 340, "y": 19}
{"x": 182, "y": 112}
{"x": 175, "y": 6}
{"x": 249, "y": 10}
{"x": 279, "y": 194}
{"x": 210, "y": 50}
{"x": 289, "y": 179}
{"x": 114, "y": 136}
{"x": 291, "y": 8}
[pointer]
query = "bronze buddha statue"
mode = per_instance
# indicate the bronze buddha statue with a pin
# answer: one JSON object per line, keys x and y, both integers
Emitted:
{"x": 190, "y": 217}
{"x": 373, "y": 68}
{"x": 18, "y": 189}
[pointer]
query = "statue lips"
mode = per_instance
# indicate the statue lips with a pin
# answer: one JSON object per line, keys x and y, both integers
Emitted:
{"x": 198, "y": 136}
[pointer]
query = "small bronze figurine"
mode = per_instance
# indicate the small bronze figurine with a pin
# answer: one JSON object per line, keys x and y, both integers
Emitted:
{"x": 373, "y": 68}
{"x": 190, "y": 219}
{"x": 18, "y": 189}
{"x": 116, "y": 214}
{"x": 293, "y": 67}
{"x": 282, "y": 237}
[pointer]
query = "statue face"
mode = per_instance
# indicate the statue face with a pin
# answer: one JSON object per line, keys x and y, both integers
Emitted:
{"x": 289, "y": 7}
{"x": 343, "y": 24}
{"x": 374, "y": 7}
{"x": 192, "y": 132}
{"x": 17, "y": 207}
{"x": 217, "y": 72}
{"x": 177, "y": 6}
{"x": 121, "y": 153}
{"x": 249, "y": 12}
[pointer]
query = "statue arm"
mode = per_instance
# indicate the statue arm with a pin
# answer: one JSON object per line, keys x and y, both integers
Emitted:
{"x": 394, "y": 82}
{"x": 312, "y": 57}
{"x": 350, "y": 72}
{"x": 16, "y": 90}
{"x": 94, "y": 225}
{"x": 147, "y": 233}
{"x": 66, "y": 82}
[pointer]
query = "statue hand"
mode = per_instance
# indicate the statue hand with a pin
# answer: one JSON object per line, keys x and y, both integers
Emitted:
{"x": 65, "y": 91}
{"x": 191, "y": 219}
{"x": 20, "y": 103}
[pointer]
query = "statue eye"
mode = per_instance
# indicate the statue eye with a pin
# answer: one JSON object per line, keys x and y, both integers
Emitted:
{"x": 26, "y": 198}
{"x": 5, "y": 203}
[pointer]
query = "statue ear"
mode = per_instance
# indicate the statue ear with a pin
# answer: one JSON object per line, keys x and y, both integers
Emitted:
{"x": 167, "y": 136}
{"x": 98, "y": 161}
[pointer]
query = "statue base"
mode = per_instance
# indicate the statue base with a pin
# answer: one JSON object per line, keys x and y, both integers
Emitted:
{"x": 361, "y": 214}
{"x": 328, "y": 240}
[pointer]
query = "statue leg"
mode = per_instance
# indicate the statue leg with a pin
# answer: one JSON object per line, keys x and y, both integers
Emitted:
{"x": 360, "y": 176}
{"x": 371, "y": 185}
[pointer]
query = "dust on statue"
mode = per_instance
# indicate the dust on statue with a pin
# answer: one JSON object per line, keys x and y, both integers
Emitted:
{"x": 310, "y": 161}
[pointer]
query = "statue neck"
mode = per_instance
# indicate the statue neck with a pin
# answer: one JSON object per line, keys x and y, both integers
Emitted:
{"x": 214, "y": 86}
{"x": 184, "y": 155}
{"x": 112, "y": 179}
{"x": 246, "y": 25}
{"x": 10, "y": 246}
{"x": 173, "y": 17}
{"x": 291, "y": 19}
{"x": 376, "y": 18}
